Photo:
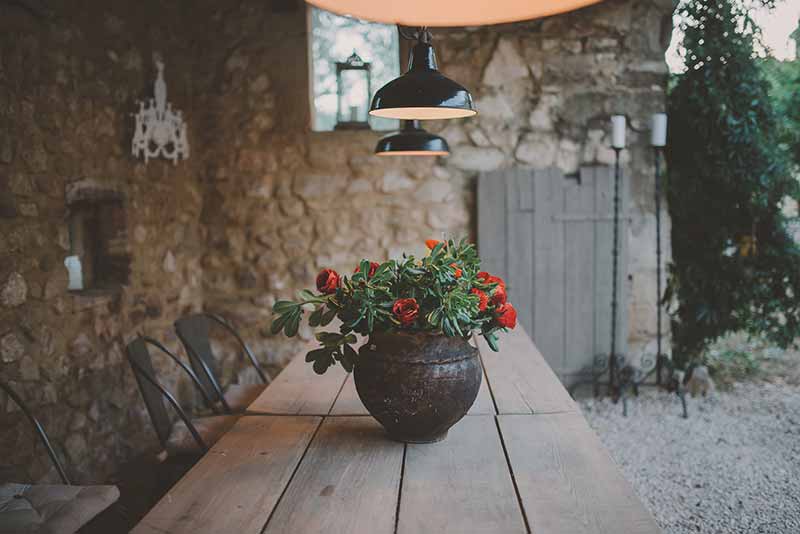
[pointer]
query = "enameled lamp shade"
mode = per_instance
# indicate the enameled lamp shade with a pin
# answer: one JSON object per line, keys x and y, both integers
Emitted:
{"x": 422, "y": 93}
{"x": 412, "y": 141}
{"x": 449, "y": 12}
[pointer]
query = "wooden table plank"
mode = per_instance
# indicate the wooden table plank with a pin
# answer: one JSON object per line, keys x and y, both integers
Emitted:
{"x": 348, "y": 402}
{"x": 567, "y": 482}
{"x": 298, "y": 390}
{"x": 460, "y": 485}
{"x": 520, "y": 379}
{"x": 235, "y": 486}
{"x": 483, "y": 405}
{"x": 348, "y": 482}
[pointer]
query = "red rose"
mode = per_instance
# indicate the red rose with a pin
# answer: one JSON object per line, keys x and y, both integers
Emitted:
{"x": 431, "y": 243}
{"x": 506, "y": 315}
{"x": 373, "y": 266}
{"x": 327, "y": 281}
{"x": 483, "y": 300}
{"x": 487, "y": 278}
{"x": 405, "y": 310}
{"x": 456, "y": 271}
{"x": 499, "y": 295}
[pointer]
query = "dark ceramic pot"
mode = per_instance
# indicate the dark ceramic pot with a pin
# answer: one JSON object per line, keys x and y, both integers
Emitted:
{"x": 417, "y": 385}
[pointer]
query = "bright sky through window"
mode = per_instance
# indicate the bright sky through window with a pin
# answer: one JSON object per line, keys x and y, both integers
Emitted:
{"x": 776, "y": 26}
{"x": 334, "y": 38}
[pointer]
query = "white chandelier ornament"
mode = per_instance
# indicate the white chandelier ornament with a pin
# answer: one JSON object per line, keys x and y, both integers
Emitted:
{"x": 160, "y": 131}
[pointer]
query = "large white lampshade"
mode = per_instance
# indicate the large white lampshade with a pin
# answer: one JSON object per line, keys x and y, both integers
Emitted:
{"x": 449, "y": 12}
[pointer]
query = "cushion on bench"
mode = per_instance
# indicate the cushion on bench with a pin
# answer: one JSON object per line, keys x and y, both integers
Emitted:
{"x": 51, "y": 509}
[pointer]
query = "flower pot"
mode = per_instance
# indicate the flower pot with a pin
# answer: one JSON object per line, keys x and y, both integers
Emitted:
{"x": 417, "y": 384}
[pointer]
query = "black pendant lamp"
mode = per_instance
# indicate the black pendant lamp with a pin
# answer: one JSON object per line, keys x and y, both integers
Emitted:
{"x": 412, "y": 141}
{"x": 422, "y": 93}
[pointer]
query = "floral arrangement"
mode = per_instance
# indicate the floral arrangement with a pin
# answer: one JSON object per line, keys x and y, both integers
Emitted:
{"x": 444, "y": 292}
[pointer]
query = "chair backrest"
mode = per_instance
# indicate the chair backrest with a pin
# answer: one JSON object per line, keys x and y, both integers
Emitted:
{"x": 193, "y": 331}
{"x": 154, "y": 394}
{"x": 142, "y": 365}
{"x": 192, "y": 376}
{"x": 37, "y": 426}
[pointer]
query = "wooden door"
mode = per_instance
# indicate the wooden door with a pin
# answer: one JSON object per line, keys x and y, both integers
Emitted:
{"x": 550, "y": 237}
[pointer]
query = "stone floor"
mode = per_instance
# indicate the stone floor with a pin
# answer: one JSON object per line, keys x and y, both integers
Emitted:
{"x": 732, "y": 467}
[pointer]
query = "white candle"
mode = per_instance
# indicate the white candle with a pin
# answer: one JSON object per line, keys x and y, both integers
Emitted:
{"x": 658, "y": 132}
{"x": 618, "y": 131}
{"x": 74, "y": 271}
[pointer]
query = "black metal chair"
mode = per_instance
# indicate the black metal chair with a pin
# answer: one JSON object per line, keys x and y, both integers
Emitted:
{"x": 62, "y": 508}
{"x": 188, "y": 436}
{"x": 194, "y": 332}
{"x": 192, "y": 376}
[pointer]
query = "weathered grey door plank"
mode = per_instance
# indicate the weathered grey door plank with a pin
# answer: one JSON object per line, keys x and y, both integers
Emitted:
{"x": 235, "y": 486}
{"x": 521, "y": 198}
{"x": 348, "y": 482}
{"x": 548, "y": 266}
{"x": 566, "y": 480}
{"x": 492, "y": 222}
{"x": 520, "y": 379}
{"x": 579, "y": 251}
{"x": 461, "y": 485}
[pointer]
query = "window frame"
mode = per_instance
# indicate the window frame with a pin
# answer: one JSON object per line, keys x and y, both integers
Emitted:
{"x": 403, "y": 49}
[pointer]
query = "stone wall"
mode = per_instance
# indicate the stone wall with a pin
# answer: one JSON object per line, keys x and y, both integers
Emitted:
{"x": 544, "y": 90}
{"x": 68, "y": 86}
{"x": 263, "y": 203}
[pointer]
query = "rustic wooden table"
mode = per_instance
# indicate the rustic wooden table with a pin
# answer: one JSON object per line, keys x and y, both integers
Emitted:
{"x": 523, "y": 460}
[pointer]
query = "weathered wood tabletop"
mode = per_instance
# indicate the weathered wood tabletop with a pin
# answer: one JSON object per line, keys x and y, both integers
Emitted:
{"x": 523, "y": 460}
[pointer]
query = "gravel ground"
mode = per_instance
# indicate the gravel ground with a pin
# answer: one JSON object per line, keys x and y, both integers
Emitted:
{"x": 732, "y": 467}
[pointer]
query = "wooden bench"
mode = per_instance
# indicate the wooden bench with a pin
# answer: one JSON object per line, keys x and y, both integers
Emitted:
{"x": 524, "y": 460}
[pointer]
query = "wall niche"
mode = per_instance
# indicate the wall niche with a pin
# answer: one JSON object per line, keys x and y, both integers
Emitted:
{"x": 99, "y": 261}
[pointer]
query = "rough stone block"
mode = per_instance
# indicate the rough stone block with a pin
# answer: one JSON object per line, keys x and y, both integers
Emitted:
{"x": 14, "y": 292}
{"x": 11, "y": 348}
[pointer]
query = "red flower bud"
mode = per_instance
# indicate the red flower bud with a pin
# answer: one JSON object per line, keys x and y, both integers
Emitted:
{"x": 499, "y": 295}
{"x": 431, "y": 243}
{"x": 405, "y": 310}
{"x": 456, "y": 271}
{"x": 483, "y": 299}
{"x": 373, "y": 266}
{"x": 487, "y": 278}
{"x": 506, "y": 315}
{"x": 327, "y": 281}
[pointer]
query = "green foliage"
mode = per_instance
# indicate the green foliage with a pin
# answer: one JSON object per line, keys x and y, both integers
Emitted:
{"x": 441, "y": 285}
{"x": 784, "y": 80}
{"x": 735, "y": 266}
{"x": 732, "y": 365}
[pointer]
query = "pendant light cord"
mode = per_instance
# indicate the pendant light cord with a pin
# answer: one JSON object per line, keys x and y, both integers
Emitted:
{"x": 420, "y": 33}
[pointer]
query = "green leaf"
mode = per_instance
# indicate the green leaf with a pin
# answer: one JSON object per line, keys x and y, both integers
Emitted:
{"x": 278, "y": 323}
{"x": 282, "y": 306}
{"x": 349, "y": 358}
{"x": 315, "y": 354}
{"x": 305, "y": 294}
{"x": 327, "y": 317}
{"x": 316, "y": 317}
{"x": 491, "y": 340}
{"x": 293, "y": 324}
{"x": 321, "y": 364}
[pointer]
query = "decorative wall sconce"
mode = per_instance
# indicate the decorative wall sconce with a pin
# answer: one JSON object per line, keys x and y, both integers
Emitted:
{"x": 159, "y": 131}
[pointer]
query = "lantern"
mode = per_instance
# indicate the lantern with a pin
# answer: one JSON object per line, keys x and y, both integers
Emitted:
{"x": 353, "y": 88}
